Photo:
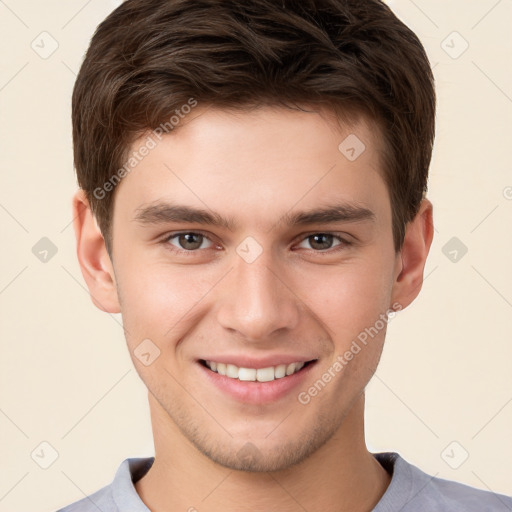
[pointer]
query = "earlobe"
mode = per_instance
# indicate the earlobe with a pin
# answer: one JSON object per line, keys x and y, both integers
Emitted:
{"x": 93, "y": 257}
{"x": 413, "y": 255}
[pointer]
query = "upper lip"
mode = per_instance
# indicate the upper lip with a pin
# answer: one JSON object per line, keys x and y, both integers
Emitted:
{"x": 244, "y": 361}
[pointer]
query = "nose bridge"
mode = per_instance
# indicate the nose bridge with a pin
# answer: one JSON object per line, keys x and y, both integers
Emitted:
{"x": 257, "y": 302}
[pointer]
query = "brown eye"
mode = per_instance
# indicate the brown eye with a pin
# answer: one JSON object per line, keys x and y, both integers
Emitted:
{"x": 188, "y": 241}
{"x": 323, "y": 242}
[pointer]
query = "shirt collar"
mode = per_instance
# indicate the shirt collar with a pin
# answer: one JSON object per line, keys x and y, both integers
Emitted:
{"x": 133, "y": 469}
{"x": 123, "y": 488}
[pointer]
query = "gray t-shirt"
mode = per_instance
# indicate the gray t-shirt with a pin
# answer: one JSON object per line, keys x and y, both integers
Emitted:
{"x": 410, "y": 490}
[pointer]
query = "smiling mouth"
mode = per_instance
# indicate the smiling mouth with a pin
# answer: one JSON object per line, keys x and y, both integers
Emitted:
{"x": 256, "y": 375}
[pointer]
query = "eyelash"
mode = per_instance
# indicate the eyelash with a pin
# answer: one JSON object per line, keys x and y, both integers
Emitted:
{"x": 344, "y": 243}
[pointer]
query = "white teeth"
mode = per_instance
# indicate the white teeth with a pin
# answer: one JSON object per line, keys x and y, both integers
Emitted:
{"x": 280, "y": 371}
{"x": 232, "y": 371}
{"x": 290, "y": 369}
{"x": 265, "y": 374}
{"x": 251, "y": 374}
{"x": 247, "y": 374}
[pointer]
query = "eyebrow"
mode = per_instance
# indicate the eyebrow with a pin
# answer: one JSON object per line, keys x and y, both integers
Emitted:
{"x": 163, "y": 212}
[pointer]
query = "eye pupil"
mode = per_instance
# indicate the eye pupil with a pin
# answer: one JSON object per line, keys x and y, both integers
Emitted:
{"x": 323, "y": 244}
{"x": 186, "y": 238}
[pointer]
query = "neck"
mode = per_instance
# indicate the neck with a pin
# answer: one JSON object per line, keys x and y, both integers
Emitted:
{"x": 342, "y": 475}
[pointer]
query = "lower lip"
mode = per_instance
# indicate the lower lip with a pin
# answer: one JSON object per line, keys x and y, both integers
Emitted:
{"x": 257, "y": 392}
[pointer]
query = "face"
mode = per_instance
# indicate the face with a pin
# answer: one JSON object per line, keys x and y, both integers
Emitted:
{"x": 256, "y": 280}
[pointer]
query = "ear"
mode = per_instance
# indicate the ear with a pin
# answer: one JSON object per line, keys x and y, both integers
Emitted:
{"x": 410, "y": 262}
{"x": 93, "y": 257}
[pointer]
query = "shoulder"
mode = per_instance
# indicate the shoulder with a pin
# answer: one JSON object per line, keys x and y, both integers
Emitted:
{"x": 100, "y": 500}
{"x": 457, "y": 496}
{"x": 120, "y": 494}
{"x": 414, "y": 490}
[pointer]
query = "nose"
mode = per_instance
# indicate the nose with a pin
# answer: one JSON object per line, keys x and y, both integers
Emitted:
{"x": 257, "y": 302}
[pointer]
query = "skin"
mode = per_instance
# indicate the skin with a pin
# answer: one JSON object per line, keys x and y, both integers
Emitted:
{"x": 293, "y": 299}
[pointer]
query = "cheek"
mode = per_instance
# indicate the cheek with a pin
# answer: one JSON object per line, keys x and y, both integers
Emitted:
{"x": 349, "y": 297}
{"x": 158, "y": 300}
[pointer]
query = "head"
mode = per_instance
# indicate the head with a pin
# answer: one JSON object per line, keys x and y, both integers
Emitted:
{"x": 300, "y": 133}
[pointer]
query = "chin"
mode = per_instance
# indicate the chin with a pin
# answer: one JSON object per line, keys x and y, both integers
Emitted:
{"x": 266, "y": 455}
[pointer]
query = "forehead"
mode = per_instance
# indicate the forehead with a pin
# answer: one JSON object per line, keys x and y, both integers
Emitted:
{"x": 258, "y": 165}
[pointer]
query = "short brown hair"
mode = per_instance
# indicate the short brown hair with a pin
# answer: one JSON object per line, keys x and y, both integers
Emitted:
{"x": 148, "y": 58}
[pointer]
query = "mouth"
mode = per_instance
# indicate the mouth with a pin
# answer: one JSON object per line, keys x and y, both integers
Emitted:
{"x": 267, "y": 374}
{"x": 264, "y": 380}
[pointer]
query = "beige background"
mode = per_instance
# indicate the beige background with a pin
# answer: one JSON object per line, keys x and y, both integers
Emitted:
{"x": 66, "y": 376}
